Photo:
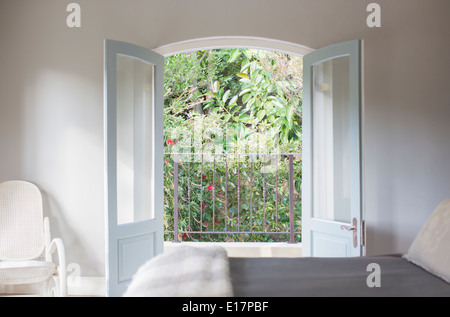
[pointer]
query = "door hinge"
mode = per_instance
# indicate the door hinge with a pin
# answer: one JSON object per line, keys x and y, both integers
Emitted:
{"x": 363, "y": 233}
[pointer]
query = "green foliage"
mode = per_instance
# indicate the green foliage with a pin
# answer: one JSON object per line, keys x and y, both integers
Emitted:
{"x": 232, "y": 101}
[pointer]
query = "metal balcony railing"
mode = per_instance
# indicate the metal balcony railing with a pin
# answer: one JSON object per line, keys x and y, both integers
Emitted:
{"x": 233, "y": 194}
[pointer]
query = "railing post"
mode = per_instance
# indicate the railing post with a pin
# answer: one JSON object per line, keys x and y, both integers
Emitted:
{"x": 291, "y": 199}
{"x": 175, "y": 198}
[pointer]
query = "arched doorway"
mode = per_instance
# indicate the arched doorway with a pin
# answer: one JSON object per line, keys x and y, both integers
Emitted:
{"x": 280, "y": 168}
{"x": 233, "y": 42}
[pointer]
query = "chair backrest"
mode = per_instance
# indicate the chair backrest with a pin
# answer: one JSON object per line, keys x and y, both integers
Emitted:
{"x": 21, "y": 221}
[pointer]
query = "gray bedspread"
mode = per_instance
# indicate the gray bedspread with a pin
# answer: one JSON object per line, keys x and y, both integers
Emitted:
{"x": 295, "y": 277}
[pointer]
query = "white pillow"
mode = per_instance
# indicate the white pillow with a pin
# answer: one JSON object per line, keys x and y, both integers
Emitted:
{"x": 431, "y": 248}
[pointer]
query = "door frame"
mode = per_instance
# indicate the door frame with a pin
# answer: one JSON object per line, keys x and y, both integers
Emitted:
{"x": 217, "y": 42}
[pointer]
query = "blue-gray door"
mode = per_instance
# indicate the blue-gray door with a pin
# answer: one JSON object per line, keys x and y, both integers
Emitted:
{"x": 332, "y": 182}
{"x": 134, "y": 160}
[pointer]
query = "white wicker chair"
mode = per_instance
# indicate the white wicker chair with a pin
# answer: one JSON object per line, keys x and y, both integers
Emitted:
{"x": 26, "y": 246}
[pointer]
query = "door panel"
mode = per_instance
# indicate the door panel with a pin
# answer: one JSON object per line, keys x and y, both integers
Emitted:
{"x": 329, "y": 245}
{"x": 132, "y": 252}
{"x": 331, "y": 151}
{"x": 134, "y": 129}
{"x": 134, "y": 160}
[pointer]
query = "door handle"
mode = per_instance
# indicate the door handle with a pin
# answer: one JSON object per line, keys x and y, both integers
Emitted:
{"x": 348, "y": 228}
{"x": 354, "y": 230}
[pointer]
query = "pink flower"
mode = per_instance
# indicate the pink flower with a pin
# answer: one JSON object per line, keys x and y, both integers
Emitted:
{"x": 170, "y": 141}
{"x": 210, "y": 187}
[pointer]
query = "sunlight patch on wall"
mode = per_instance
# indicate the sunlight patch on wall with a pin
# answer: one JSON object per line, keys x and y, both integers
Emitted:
{"x": 63, "y": 153}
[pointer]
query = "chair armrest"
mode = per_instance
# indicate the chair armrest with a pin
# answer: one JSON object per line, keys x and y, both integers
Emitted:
{"x": 56, "y": 245}
{"x": 52, "y": 246}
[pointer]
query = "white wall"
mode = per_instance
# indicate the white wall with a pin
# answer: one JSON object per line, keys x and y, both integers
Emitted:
{"x": 51, "y": 105}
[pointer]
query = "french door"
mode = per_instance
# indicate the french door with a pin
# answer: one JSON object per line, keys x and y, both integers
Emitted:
{"x": 331, "y": 185}
{"x": 134, "y": 160}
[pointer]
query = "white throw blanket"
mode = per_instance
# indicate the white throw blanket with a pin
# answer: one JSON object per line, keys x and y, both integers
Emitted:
{"x": 184, "y": 272}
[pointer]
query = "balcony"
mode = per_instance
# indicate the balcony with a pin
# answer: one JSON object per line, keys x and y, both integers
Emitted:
{"x": 248, "y": 202}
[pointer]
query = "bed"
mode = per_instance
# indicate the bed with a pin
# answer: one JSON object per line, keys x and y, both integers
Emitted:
{"x": 312, "y": 277}
{"x": 207, "y": 271}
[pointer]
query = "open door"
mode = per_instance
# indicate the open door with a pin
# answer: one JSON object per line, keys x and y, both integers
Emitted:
{"x": 331, "y": 185}
{"x": 134, "y": 159}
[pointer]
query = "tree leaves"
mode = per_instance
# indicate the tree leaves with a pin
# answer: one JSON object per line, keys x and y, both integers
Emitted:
{"x": 242, "y": 75}
{"x": 256, "y": 88}
{"x": 261, "y": 114}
